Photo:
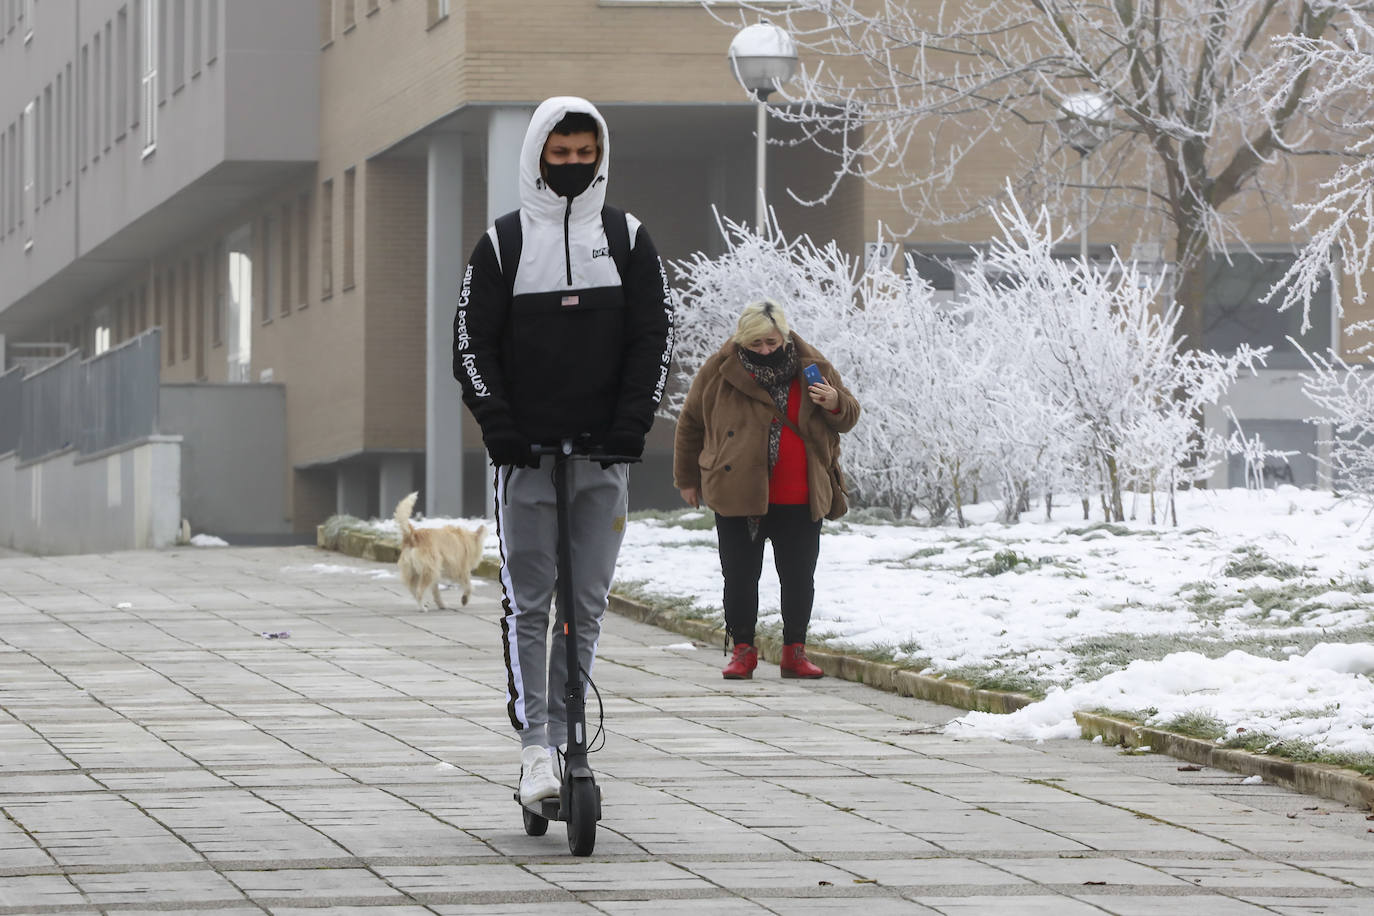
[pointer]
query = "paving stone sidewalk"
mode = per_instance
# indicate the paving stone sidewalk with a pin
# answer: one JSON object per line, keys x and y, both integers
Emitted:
{"x": 282, "y": 730}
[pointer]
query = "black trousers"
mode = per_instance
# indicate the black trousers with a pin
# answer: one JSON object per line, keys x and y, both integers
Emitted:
{"x": 796, "y": 545}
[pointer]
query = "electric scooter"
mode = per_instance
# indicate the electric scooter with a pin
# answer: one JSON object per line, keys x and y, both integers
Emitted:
{"x": 579, "y": 800}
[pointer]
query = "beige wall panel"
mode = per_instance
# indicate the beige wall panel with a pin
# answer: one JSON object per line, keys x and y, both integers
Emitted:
{"x": 394, "y": 239}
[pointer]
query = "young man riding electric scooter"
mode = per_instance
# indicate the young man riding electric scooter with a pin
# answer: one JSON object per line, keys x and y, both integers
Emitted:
{"x": 562, "y": 339}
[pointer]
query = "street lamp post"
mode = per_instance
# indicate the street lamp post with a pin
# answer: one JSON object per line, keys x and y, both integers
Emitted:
{"x": 762, "y": 57}
{"x": 1081, "y": 124}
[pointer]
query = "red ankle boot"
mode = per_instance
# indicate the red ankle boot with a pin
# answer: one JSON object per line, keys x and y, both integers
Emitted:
{"x": 794, "y": 662}
{"x": 743, "y": 661}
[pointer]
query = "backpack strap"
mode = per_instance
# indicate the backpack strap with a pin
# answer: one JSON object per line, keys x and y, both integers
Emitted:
{"x": 617, "y": 238}
{"x": 510, "y": 239}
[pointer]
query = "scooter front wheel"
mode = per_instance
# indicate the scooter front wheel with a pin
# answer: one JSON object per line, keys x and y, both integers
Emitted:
{"x": 583, "y": 812}
{"x": 534, "y": 824}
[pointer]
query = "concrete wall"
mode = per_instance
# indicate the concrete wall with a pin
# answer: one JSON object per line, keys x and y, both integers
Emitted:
{"x": 1271, "y": 404}
{"x": 233, "y": 459}
{"x": 127, "y": 498}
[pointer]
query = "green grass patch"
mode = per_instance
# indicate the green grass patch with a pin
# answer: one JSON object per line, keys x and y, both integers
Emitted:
{"x": 1288, "y": 604}
{"x": 1098, "y": 656}
{"x": 1249, "y": 561}
{"x": 1196, "y": 724}
{"x": 680, "y": 606}
{"x": 1301, "y": 752}
{"x": 1008, "y": 560}
{"x": 338, "y": 525}
{"x": 690, "y": 519}
{"x": 1208, "y": 727}
{"x": 997, "y": 678}
{"x": 1111, "y": 528}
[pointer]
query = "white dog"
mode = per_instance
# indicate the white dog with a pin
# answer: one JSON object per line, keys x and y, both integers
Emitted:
{"x": 429, "y": 554}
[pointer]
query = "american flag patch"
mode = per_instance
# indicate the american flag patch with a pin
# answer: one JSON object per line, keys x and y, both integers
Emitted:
{"x": 570, "y": 300}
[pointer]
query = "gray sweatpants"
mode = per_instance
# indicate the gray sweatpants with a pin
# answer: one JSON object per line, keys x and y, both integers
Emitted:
{"x": 527, "y": 527}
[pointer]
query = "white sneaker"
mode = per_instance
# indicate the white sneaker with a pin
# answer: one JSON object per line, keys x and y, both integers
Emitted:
{"x": 536, "y": 776}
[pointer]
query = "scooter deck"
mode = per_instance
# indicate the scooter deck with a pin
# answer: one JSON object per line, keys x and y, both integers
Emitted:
{"x": 551, "y": 809}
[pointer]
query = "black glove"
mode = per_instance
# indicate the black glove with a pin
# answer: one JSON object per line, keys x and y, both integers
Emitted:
{"x": 624, "y": 446}
{"x": 510, "y": 449}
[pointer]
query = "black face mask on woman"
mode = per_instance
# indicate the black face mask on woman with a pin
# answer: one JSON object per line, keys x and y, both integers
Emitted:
{"x": 775, "y": 360}
{"x": 569, "y": 179}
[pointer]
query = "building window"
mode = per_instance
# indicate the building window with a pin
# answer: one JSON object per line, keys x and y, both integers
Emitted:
{"x": 46, "y": 161}
{"x": 349, "y": 191}
{"x": 327, "y": 239}
{"x": 178, "y": 42}
{"x": 169, "y": 311}
{"x": 349, "y": 15}
{"x": 326, "y": 21}
{"x": 26, "y": 19}
{"x": 284, "y": 307}
{"x": 151, "y": 44}
{"x": 4, "y": 185}
{"x": 267, "y": 257}
{"x": 107, "y": 113}
{"x": 15, "y": 182}
{"x": 186, "y": 311}
{"x": 201, "y": 300}
{"x": 164, "y": 63}
{"x": 197, "y": 31}
{"x": 238, "y": 328}
{"x": 438, "y": 9}
{"x": 373, "y": 6}
{"x": 27, "y": 156}
{"x": 218, "y": 292}
{"x": 303, "y": 250}
{"x": 58, "y": 152}
{"x": 136, "y": 60}
{"x": 120, "y": 112}
{"x": 1233, "y": 313}
{"x": 212, "y": 32}
{"x": 93, "y": 108}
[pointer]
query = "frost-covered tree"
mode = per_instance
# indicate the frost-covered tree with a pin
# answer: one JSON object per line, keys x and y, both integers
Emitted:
{"x": 915, "y": 95}
{"x": 1341, "y": 221}
{"x": 1345, "y": 394}
{"x": 1099, "y": 358}
{"x": 1340, "y": 224}
{"x": 1045, "y": 377}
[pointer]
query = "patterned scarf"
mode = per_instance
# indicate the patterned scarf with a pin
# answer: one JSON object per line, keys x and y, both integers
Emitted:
{"x": 776, "y": 379}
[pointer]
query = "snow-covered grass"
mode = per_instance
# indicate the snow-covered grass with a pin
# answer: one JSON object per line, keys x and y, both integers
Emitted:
{"x": 1254, "y": 617}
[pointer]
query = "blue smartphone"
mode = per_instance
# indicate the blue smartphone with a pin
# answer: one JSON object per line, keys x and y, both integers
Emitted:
{"x": 813, "y": 375}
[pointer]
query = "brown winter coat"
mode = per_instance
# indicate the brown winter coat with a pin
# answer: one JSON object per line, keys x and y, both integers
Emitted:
{"x": 721, "y": 446}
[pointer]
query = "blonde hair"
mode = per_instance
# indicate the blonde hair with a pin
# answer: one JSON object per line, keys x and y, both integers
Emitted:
{"x": 759, "y": 319}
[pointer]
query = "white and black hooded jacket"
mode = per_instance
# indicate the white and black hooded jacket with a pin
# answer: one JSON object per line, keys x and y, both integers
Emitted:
{"x": 573, "y": 348}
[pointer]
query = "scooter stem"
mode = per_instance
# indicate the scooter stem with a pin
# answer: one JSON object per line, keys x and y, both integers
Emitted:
{"x": 575, "y": 759}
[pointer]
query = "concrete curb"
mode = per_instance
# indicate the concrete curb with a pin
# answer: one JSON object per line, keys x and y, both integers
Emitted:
{"x": 1311, "y": 778}
{"x": 1327, "y": 781}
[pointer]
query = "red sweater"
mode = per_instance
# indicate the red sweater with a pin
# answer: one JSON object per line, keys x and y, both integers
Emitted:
{"x": 787, "y": 484}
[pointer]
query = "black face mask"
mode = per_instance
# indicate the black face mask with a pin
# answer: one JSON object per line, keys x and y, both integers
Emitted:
{"x": 569, "y": 179}
{"x": 775, "y": 360}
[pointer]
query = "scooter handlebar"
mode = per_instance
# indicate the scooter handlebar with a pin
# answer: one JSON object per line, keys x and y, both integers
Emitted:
{"x": 586, "y": 451}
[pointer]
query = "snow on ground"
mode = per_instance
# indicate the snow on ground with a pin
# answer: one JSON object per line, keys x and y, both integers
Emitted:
{"x": 1257, "y": 610}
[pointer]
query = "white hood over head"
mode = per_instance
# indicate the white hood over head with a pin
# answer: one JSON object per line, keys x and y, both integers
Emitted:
{"x": 536, "y": 198}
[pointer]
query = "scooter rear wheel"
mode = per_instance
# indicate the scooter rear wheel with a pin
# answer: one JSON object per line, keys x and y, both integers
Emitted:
{"x": 534, "y": 824}
{"x": 583, "y": 805}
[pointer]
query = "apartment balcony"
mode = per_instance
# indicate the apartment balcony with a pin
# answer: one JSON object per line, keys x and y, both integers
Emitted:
{"x": 151, "y": 121}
